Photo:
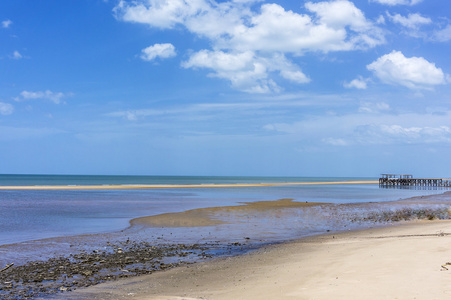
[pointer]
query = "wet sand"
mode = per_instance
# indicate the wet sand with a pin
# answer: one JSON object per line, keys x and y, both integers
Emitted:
{"x": 209, "y": 216}
{"x": 398, "y": 262}
{"x": 171, "y": 186}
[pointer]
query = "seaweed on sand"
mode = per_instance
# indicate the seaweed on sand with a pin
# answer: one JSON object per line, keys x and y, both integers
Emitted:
{"x": 405, "y": 214}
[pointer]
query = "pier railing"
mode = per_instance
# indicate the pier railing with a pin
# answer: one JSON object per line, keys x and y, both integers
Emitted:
{"x": 407, "y": 180}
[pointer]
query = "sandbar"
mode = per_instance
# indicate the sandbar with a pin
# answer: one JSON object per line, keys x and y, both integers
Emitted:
{"x": 396, "y": 262}
{"x": 171, "y": 186}
{"x": 210, "y": 216}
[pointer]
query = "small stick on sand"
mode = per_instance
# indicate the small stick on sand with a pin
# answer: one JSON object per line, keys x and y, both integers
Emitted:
{"x": 7, "y": 267}
{"x": 445, "y": 268}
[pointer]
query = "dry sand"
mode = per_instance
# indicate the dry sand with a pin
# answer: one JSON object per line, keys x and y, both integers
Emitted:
{"x": 398, "y": 262}
{"x": 169, "y": 186}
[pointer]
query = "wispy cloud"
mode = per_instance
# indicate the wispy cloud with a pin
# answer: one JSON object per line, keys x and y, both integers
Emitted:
{"x": 49, "y": 95}
{"x": 396, "y": 134}
{"x": 411, "y": 24}
{"x": 6, "y": 23}
{"x": 6, "y": 109}
{"x": 16, "y": 55}
{"x": 370, "y": 107}
{"x": 397, "y": 2}
{"x": 412, "y": 21}
{"x": 372, "y": 126}
{"x": 442, "y": 35}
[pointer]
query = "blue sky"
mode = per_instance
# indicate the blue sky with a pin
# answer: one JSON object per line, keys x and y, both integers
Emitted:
{"x": 244, "y": 87}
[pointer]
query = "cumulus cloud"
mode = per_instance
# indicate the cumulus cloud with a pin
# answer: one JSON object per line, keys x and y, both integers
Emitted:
{"x": 6, "y": 23}
{"x": 245, "y": 70}
{"x": 412, "y": 21}
{"x": 49, "y": 95}
{"x": 242, "y": 69}
{"x": 255, "y": 41}
{"x": 413, "y": 72}
{"x": 158, "y": 50}
{"x": 159, "y": 13}
{"x": 6, "y": 109}
{"x": 331, "y": 26}
{"x": 369, "y": 107}
{"x": 397, "y": 2}
{"x": 358, "y": 83}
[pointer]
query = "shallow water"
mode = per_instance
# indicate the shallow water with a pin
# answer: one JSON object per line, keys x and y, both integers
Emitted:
{"x": 27, "y": 216}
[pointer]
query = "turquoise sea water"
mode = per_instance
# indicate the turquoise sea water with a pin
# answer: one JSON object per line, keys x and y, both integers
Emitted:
{"x": 37, "y": 214}
{"x": 19, "y": 180}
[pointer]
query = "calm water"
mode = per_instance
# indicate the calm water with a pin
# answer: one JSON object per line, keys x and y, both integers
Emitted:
{"x": 38, "y": 214}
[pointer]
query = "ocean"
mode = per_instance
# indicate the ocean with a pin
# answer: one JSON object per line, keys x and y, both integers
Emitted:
{"x": 41, "y": 214}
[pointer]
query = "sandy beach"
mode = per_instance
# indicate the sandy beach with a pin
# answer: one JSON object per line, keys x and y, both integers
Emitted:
{"x": 397, "y": 262}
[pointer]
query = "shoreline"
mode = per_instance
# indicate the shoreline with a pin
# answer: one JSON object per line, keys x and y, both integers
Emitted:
{"x": 405, "y": 261}
{"x": 173, "y": 186}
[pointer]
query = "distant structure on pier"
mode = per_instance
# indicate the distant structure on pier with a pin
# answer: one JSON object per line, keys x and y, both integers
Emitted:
{"x": 407, "y": 180}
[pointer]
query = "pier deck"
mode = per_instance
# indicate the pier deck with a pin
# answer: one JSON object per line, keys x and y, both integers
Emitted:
{"x": 407, "y": 180}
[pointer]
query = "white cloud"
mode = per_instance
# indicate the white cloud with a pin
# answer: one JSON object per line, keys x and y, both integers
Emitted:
{"x": 54, "y": 97}
{"x": 221, "y": 61}
{"x": 332, "y": 26}
{"x": 412, "y": 21}
{"x": 338, "y": 14}
{"x": 397, "y": 2}
{"x": 335, "y": 142}
{"x": 136, "y": 114}
{"x": 414, "y": 72}
{"x": 358, "y": 83}
{"x": 369, "y": 107}
{"x": 374, "y": 124}
{"x": 6, "y": 109}
{"x": 253, "y": 42}
{"x": 160, "y": 13}
{"x": 380, "y": 20}
{"x": 295, "y": 76}
{"x": 158, "y": 50}
{"x": 16, "y": 55}
{"x": 442, "y": 35}
{"x": 6, "y": 23}
{"x": 396, "y": 134}
{"x": 245, "y": 70}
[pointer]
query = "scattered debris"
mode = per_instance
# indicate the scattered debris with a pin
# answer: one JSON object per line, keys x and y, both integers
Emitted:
{"x": 444, "y": 268}
{"x": 87, "y": 267}
{"x": 404, "y": 214}
{"x": 7, "y": 267}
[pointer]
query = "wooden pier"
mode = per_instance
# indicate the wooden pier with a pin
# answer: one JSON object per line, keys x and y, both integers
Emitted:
{"x": 407, "y": 180}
